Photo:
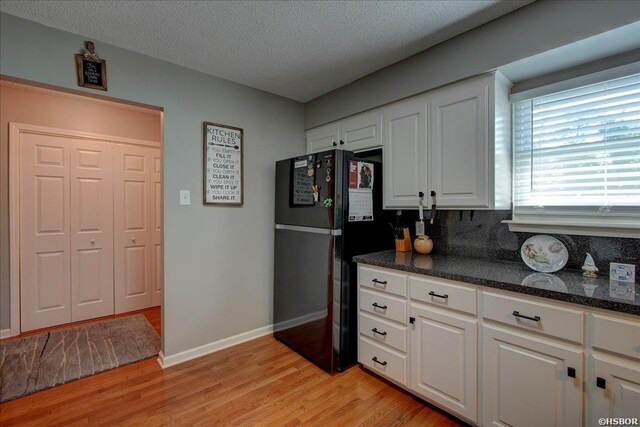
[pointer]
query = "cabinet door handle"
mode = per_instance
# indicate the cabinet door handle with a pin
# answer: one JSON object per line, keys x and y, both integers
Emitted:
{"x": 376, "y": 331}
{"x": 601, "y": 383}
{"x": 433, "y": 294}
{"x": 375, "y": 359}
{"x": 381, "y": 282}
{"x": 335, "y": 144}
{"x": 341, "y": 142}
{"x": 534, "y": 318}
{"x": 571, "y": 372}
{"x": 382, "y": 307}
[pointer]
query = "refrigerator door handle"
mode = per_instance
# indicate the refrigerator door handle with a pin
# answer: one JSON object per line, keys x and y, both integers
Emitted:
{"x": 314, "y": 230}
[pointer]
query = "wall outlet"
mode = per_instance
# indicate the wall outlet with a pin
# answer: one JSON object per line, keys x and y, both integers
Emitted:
{"x": 622, "y": 272}
{"x": 185, "y": 197}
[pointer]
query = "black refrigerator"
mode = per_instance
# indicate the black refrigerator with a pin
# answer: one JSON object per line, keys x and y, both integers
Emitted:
{"x": 328, "y": 209}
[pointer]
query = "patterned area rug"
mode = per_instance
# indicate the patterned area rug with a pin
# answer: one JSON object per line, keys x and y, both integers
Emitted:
{"x": 42, "y": 361}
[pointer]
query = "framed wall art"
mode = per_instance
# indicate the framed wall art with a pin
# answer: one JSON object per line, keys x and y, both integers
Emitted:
{"x": 92, "y": 71}
{"x": 223, "y": 168}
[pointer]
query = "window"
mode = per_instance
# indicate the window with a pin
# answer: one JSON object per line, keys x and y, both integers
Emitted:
{"x": 577, "y": 152}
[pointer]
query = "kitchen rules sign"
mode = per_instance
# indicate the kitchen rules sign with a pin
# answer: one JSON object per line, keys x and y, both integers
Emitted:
{"x": 223, "y": 170}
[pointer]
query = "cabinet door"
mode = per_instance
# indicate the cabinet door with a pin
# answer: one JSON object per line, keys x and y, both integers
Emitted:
{"x": 459, "y": 164}
{"x": 404, "y": 145}
{"x": 132, "y": 228}
{"x": 323, "y": 138}
{"x": 361, "y": 132}
{"x": 91, "y": 230}
{"x": 613, "y": 389}
{"x": 444, "y": 360}
{"x": 526, "y": 381}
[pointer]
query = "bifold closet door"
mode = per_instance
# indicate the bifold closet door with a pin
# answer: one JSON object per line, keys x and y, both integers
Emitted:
{"x": 45, "y": 266}
{"x": 91, "y": 230}
{"x": 133, "y": 222}
{"x": 157, "y": 276}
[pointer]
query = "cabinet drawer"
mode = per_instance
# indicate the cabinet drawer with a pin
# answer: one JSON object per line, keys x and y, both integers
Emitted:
{"x": 443, "y": 294}
{"x": 382, "y": 305}
{"x": 382, "y": 331}
{"x": 616, "y": 335}
{"x": 383, "y": 281}
{"x": 383, "y": 361}
{"x": 552, "y": 320}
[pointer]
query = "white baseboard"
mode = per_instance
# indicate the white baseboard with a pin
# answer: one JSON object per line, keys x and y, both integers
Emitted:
{"x": 300, "y": 320}
{"x": 183, "y": 356}
{"x": 5, "y": 333}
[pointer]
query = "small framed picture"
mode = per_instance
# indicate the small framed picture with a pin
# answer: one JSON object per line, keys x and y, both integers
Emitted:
{"x": 92, "y": 71}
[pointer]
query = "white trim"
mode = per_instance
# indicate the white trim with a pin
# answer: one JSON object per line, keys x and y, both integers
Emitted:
{"x": 184, "y": 356}
{"x": 203, "y": 350}
{"x": 598, "y": 77}
{"x": 575, "y": 228}
{"x": 299, "y": 320}
{"x": 5, "y": 333}
{"x": 15, "y": 129}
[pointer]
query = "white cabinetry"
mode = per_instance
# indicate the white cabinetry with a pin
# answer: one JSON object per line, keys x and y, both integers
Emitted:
{"x": 528, "y": 381}
{"x": 403, "y": 151}
{"x": 497, "y": 359}
{"x": 443, "y": 359}
{"x": 360, "y": 132}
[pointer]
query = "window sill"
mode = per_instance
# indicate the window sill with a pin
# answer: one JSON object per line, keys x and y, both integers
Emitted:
{"x": 622, "y": 229}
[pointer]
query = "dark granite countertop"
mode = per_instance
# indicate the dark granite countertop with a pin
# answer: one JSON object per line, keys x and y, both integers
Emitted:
{"x": 565, "y": 285}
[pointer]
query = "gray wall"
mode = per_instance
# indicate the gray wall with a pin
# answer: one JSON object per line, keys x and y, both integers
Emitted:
{"x": 218, "y": 261}
{"x": 528, "y": 31}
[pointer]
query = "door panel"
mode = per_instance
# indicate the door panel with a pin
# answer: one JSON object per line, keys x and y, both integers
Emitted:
{"x": 133, "y": 227}
{"x": 44, "y": 231}
{"x": 620, "y": 397}
{"x": 91, "y": 230}
{"x": 447, "y": 372}
{"x": 156, "y": 229}
{"x": 526, "y": 381}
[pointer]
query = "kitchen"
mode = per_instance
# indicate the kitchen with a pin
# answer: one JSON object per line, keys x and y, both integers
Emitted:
{"x": 244, "y": 308}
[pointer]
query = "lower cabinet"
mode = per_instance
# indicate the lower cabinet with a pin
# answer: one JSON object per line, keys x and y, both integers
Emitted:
{"x": 613, "y": 389}
{"x": 444, "y": 359}
{"x": 528, "y": 381}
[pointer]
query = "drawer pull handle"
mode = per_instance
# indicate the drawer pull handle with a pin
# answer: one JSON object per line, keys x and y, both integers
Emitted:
{"x": 376, "y": 331}
{"x": 534, "y": 318}
{"x": 601, "y": 383}
{"x": 383, "y": 363}
{"x": 382, "y": 307}
{"x": 380, "y": 282}
{"x": 443, "y": 296}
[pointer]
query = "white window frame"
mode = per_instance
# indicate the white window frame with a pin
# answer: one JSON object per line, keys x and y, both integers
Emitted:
{"x": 615, "y": 223}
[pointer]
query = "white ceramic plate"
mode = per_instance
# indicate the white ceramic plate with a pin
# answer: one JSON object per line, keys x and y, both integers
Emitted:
{"x": 545, "y": 254}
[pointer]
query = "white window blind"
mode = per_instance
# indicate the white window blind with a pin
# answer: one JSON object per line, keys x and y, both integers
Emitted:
{"x": 577, "y": 151}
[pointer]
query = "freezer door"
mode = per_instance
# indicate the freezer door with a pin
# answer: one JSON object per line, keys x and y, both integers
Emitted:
{"x": 306, "y": 304}
{"x": 296, "y": 180}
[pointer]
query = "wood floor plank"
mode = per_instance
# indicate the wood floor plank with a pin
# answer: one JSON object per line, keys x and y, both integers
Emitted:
{"x": 261, "y": 382}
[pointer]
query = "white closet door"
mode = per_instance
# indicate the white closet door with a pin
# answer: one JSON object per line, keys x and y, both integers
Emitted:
{"x": 132, "y": 228}
{"x": 91, "y": 230}
{"x": 45, "y": 292}
{"x": 156, "y": 228}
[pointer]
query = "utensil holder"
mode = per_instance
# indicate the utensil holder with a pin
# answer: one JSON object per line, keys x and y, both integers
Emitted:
{"x": 404, "y": 245}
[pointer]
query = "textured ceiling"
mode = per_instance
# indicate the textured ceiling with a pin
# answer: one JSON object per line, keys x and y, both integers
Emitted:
{"x": 296, "y": 49}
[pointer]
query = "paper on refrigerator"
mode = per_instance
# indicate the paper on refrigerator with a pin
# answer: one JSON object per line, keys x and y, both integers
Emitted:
{"x": 361, "y": 178}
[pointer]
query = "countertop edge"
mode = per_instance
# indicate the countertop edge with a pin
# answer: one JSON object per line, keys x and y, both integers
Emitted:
{"x": 616, "y": 306}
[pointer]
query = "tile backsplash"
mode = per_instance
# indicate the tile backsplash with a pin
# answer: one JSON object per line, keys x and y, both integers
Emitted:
{"x": 484, "y": 235}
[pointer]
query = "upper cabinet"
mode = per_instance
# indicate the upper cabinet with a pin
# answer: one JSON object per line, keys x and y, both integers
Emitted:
{"x": 360, "y": 132}
{"x": 454, "y": 140}
{"x": 404, "y": 133}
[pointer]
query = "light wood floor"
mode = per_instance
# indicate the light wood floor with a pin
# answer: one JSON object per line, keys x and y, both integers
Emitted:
{"x": 260, "y": 382}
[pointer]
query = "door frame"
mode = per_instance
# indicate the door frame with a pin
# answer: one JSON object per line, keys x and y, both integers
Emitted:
{"x": 15, "y": 130}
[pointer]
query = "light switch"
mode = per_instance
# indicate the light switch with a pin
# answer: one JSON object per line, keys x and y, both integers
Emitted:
{"x": 185, "y": 197}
